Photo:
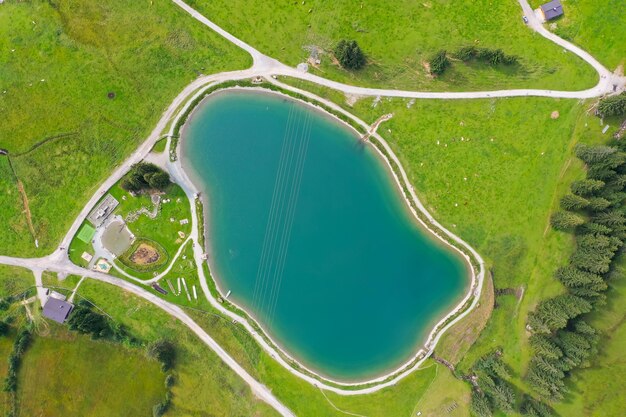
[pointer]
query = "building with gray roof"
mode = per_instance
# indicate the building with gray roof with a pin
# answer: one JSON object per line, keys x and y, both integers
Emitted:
{"x": 57, "y": 310}
{"x": 552, "y": 10}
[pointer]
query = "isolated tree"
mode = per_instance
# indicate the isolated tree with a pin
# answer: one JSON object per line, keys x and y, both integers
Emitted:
{"x": 439, "y": 63}
{"x": 564, "y": 220}
{"x": 349, "y": 55}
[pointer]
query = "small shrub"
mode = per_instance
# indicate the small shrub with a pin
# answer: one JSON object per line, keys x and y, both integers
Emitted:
{"x": 439, "y": 63}
{"x": 4, "y": 328}
{"x": 169, "y": 381}
{"x": 164, "y": 351}
{"x": 159, "y": 409}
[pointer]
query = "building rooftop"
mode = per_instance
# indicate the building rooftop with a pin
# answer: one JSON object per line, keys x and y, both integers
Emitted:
{"x": 57, "y": 310}
{"x": 552, "y": 9}
{"x": 100, "y": 213}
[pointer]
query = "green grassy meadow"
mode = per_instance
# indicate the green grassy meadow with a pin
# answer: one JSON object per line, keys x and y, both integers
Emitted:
{"x": 14, "y": 280}
{"x": 60, "y": 62}
{"x": 204, "y": 385}
{"x": 68, "y": 374}
{"x": 399, "y": 36}
{"x": 596, "y": 26}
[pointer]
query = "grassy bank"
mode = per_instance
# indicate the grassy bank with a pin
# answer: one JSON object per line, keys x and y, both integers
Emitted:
{"x": 60, "y": 62}
{"x": 399, "y": 37}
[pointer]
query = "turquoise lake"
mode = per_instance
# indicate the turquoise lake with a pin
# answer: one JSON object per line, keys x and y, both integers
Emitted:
{"x": 308, "y": 231}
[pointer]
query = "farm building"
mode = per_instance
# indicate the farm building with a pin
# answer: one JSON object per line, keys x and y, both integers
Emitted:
{"x": 57, "y": 309}
{"x": 552, "y": 10}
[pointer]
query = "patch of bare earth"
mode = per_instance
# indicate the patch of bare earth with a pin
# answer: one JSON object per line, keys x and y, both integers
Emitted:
{"x": 29, "y": 219}
{"x": 144, "y": 255}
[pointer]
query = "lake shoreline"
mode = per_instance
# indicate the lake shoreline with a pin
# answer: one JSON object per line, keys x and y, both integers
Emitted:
{"x": 444, "y": 311}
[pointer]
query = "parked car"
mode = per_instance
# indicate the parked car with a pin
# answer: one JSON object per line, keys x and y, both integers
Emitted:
{"x": 525, "y": 19}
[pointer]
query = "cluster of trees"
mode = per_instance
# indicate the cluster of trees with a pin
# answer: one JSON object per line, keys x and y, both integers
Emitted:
{"x": 613, "y": 105}
{"x": 489, "y": 56}
{"x": 349, "y": 54}
{"x": 85, "y": 320}
{"x": 562, "y": 340}
{"x": 19, "y": 347}
{"x": 493, "y": 392}
{"x": 439, "y": 62}
{"x": 145, "y": 176}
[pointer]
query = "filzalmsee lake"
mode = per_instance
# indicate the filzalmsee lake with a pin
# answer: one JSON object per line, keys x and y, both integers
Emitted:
{"x": 310, "y": 234}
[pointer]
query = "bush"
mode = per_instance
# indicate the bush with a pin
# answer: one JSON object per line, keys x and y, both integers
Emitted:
{"x": 159, "y": 409}
{"x": 490, "y": 56}
{"x": 163, "y": 351}
{"x": 169, "y": 381}
{"x": 4, "y": 328}
{"x": 349, "y": 55}
{"x": 439, "y": 62}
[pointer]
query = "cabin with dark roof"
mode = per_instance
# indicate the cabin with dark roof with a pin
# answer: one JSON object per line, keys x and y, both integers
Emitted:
{"x": 552, "y": 10}
{"x": 57, "y": 310}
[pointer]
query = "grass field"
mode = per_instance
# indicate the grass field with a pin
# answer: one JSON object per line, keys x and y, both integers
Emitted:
{"x": 60, "y": 62}
{"x": 66, "y": 374}
{"x": 14, "y": 280}
{"x": 399, "y": 36}
{"x": 204, "y": 384}
{"x": 597, "y": 26}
